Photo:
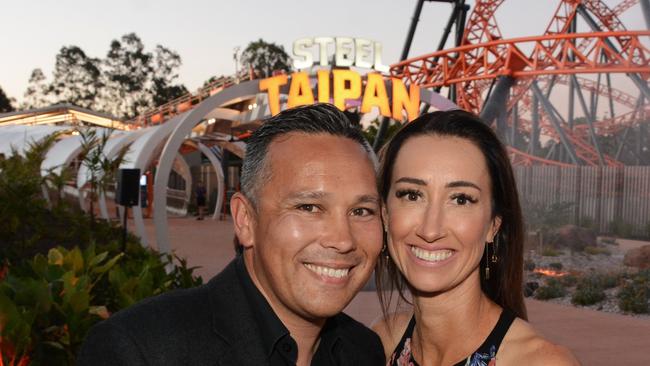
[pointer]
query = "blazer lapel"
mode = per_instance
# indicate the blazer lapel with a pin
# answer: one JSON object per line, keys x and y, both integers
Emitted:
{"x": 233, "y": 321}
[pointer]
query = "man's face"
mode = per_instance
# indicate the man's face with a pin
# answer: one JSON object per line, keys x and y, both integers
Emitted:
{"x": 317, "y": 230}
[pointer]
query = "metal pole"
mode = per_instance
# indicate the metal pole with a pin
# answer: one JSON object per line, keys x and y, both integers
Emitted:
{"x": 411, "y": 33}
{"x": 534, "y": 133}
{"x": 590, "y": 122}
{"x": 497, "y": 99}
{"x": 636, "y": 79}
{"x": 515, "y": 119}
{"x": 645, "y": 7}
{"x": 552, "y": 115}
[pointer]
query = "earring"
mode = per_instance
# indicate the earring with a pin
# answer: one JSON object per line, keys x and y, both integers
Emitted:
{"x": 384, "y": 251}
{"x": 495, "y": 249}
{"x": 487, "y": 261}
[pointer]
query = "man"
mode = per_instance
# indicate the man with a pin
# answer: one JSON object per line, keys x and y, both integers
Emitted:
{"x": 308, "y": 222}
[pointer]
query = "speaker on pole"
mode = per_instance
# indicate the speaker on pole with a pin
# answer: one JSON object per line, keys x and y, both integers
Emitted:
{"x": 127, "y": 194}
{"x": 128, "y": 187}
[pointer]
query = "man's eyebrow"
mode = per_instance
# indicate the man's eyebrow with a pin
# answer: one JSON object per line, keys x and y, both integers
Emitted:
{"x": 368, "y": 198}
{"x": 417, "y": 181}
{"x": 461, "y": 183}
{"x": 309, "y": 195}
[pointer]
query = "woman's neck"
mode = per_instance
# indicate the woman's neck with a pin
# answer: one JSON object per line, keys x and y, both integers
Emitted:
{"x": 453, "y": 324}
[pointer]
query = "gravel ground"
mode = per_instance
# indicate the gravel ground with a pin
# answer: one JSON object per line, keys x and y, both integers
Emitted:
{"x": 580, "y": 264}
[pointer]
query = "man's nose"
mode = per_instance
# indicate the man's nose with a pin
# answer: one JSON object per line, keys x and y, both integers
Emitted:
{"x": 338, "y": 234}
{"x": 431, "y": 228}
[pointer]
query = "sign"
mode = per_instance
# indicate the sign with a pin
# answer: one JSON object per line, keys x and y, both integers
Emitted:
{"x": 348, "y": 52}
{"x": 347, "y": 85}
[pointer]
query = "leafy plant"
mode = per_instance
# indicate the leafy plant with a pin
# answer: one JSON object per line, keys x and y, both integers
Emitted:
{"x": 556, "y": 266}
{"x": 635, "y": 293}
{"x": 552, "y": 289}
{"x": 52, "y": 301}
{"x": 551, "y": 252}
{"x": 593, "y": 250}
{"x": 588, "y": 291}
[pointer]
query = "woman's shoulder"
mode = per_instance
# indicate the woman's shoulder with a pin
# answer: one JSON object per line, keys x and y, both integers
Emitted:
{"x": 391, "y": 328}
{"x": 523, "y": 345}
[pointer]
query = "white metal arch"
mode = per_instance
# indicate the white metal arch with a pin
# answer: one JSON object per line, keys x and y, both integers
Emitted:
{"x": 213, "y": 106}
{"x": 216, "y": 164}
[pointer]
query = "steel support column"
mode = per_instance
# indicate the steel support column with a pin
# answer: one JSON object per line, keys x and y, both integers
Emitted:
{"x": 498, "y": 99}
{"x": 590, "y": 122}
{"x": 552, "y": 115}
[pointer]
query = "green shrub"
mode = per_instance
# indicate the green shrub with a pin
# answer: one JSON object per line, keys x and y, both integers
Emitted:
{"x": 592, "y": 250}
{"x": 552, "y": 289}
{"x": 529, "y": 265}
{"x": 556, "y": 266}
{"x": 568, "y": 280}
{"x": 635, "y": 294}
{"x": 50, "y": 302}
{"x": 551, "y": 252}
{"x": 588, "y": 291}
{"x": 621, "y": 228}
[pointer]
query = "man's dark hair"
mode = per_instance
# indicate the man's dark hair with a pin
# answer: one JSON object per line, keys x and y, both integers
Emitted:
{"x": 320, "y": 118}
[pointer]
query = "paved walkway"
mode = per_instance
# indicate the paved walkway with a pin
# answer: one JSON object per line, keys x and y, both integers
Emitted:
{"x": 596, "y": 338}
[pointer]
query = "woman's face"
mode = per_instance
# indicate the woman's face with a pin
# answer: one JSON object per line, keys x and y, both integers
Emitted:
{"x": 438, "y": 212}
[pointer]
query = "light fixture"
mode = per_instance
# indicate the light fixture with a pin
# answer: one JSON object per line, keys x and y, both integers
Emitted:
{"x": 212, "y": 121}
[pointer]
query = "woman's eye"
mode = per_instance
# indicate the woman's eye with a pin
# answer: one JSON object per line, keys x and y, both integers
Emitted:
{"x": 408, "y": 194}
{"x": 463, "y": 199}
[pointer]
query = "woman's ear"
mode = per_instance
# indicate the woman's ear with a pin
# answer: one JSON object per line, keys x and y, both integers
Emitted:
{"x": 494, "y": 229}
{"x": 243, "y": 216}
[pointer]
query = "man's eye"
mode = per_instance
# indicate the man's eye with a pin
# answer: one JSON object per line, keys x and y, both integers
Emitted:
{"x": 308, "y": 207}
{"x": 362, "y": 211}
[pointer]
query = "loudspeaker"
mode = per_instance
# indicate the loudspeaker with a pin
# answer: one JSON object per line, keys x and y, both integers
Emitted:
{"x": 128, "y": 187}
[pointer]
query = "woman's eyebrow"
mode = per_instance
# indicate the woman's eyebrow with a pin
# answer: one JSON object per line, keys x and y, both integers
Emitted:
{"x": 417, "y": 181}
{"x": 461, "y": 183}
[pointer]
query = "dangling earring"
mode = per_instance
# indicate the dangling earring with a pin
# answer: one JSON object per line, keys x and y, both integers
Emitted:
{"x": 487, "y": 261}
{"x": 384, "y": 251}
{"x": 495, "y": 249}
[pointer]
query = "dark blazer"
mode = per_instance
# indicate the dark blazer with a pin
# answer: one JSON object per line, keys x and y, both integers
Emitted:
{"x": 212, "y": 324}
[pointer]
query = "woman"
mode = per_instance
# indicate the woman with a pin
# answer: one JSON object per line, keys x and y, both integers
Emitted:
{"x": 454, "y": 241}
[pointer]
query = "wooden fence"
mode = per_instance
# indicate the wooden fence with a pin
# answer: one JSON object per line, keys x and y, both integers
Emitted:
{"x": 603, "y": 196}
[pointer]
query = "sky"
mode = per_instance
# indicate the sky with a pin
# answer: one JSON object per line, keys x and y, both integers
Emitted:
{"x": 205, "y": 32}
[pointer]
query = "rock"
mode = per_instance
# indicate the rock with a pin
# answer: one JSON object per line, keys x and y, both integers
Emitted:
{"x": 638, "y": 257}
{"x": 572, "y": 237}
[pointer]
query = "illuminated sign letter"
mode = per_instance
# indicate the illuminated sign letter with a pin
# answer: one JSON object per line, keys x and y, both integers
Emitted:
{"x": 362, "y": 52}
{"x": 272, "y": 86}
{"x": 305, "y": 58}
{"x": 322, "y": 49}
{"x": 401, "y": 100}
{"x": 324, "y": 86}
{"x": 375, "y": 95}
{"x": 378, "y": 65}
{"x": 300, "y": 91}
{"x": 344, "y": 50}
{"x": 341, "y": 92}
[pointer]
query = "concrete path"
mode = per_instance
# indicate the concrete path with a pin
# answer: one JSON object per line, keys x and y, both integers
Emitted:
{"x": 596, "y": 338}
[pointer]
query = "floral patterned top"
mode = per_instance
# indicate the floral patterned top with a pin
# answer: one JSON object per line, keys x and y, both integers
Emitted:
{"x": 485, "y": 355}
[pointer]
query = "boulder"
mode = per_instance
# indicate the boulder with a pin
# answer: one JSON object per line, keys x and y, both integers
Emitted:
{"x": 572, "y": 237}
{"x": 638, "y": 257}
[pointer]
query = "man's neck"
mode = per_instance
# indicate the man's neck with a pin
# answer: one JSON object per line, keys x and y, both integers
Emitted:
{"x": 306, "y": 332}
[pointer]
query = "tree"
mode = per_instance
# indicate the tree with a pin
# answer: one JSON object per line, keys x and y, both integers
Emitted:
{"x": 126, "y": 70}
{"x": 166, "y": 63}
{"x": 76, "y": 78}
{"x": 37, "y": 94}
{"x": 6, "y": 103}
{"x": 264, "y": 58}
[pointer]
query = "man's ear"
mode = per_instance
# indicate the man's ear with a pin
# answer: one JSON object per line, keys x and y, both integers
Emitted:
{"x": 243, "y": 216}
